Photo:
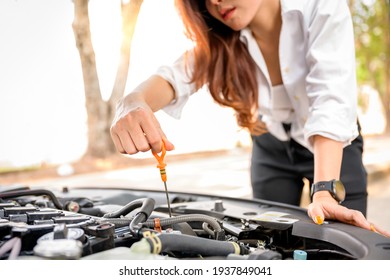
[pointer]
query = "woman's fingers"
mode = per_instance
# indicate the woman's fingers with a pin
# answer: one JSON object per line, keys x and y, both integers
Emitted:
{"x": 138, "y": 130}
{"x": 153, "y": 132}
{"x": 350, "y": 216}
{"x": 327, "y": 209}
{"x": 330, "y": 209}
{"x": 379, "y": 230}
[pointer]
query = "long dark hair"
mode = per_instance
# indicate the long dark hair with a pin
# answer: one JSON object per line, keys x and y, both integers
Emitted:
{"x": 222, "y": 62}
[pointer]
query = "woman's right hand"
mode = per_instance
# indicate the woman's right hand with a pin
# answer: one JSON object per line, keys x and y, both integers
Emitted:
{"x": 135, "y": 129}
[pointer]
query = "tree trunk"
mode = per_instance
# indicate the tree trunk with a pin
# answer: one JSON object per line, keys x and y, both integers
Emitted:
{"x": 96, "y": 107}
{"x": 130, "y": 11}
{"x": 99, "y": 112}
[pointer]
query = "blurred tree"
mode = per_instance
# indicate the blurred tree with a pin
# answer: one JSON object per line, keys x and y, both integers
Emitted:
{"x": 99, "y": 112}
{"x": 372, "y": 32}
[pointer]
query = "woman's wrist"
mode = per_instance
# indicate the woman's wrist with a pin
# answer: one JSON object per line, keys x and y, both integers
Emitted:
{"x": 323, "y": 196}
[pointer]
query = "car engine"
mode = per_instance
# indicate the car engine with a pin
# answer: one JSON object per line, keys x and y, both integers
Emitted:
{"x": 113, "y": 223}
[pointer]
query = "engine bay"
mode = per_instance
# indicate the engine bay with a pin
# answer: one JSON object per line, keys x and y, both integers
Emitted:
{"x": 115, "y": 223}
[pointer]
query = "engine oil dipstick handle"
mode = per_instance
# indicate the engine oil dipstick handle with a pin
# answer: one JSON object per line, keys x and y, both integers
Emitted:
{"x": 161, "y": 165}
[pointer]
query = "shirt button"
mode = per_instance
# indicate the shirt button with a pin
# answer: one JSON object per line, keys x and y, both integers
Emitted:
{"x": 296, "y": 97}
{"x": 286, "y": 70}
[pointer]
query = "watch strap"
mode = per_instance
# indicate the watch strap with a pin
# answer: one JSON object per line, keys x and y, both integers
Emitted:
{"x": 323, "y": 186}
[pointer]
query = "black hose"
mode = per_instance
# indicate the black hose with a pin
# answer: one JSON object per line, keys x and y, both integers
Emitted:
{"x": 207, "y": 220}
{"x": 142, "y": 215}
{"x": 193, "y": 246}
{"x": 50, "y": 194}
{"x": 147, "y": 207}
{"x": 126, "y": 209}
{"x": 134, "y": 228}
{"x": 14, "y": 188}
{"x": 118, "y": 222}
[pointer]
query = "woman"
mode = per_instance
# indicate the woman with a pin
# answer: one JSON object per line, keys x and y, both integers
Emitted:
{"x": 287, "y": 68}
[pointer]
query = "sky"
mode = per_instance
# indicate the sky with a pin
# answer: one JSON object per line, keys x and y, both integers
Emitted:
{"x": 42, "y": 110}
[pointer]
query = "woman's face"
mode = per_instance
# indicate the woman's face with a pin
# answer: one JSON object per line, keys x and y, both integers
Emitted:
{"x": 237, "y": 14}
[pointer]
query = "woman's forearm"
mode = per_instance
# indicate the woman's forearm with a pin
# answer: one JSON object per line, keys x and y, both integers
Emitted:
{"x": 155, "y": 92}
{"x": 328, "y": 155}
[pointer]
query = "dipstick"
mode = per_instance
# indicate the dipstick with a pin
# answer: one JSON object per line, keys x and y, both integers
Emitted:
{"x": 161, "y": 165}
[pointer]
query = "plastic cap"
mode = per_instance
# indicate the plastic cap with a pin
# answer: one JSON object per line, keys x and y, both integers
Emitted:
{"x": 300, "y": 255}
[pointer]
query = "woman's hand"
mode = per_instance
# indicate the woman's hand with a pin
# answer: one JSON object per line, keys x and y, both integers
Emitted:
{"x": 328, "y": 208}
{"x": 136, "y": 129}
{"x": 327, "y": 158}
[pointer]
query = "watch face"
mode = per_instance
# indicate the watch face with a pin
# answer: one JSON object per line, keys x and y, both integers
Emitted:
{"x": 339, "y": 190}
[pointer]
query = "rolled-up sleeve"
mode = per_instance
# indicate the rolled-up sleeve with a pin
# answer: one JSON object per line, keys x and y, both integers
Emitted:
{"x": 179, "y": 76}
{"x": 331, "y": 82}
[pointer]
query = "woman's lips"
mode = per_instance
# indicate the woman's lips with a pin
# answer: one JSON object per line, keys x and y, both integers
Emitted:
{"x": 227, "y": 13}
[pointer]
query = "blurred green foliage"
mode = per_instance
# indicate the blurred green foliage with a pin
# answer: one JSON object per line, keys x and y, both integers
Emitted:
{"x": 372, "y": 33}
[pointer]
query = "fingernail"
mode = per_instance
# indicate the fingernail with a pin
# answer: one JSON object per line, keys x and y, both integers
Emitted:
{"x": 319, "y": 220}
{"x": 373, "y": 228}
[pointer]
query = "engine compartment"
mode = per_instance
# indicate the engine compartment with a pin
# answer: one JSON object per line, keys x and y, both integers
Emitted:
{"x": 111, "y": 223}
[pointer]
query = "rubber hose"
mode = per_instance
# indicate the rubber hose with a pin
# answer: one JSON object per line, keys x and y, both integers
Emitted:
{"x": 206, "y": 228}
{"x": 147, "y": 207}
{"x": 193, "y": 246}
{"x": 127, "y": 208}
{"x": 139, "y": 218}
{"x": 56, "y": 202}
{"x": 118, "y": 222}
{"x": 188, "y": 218}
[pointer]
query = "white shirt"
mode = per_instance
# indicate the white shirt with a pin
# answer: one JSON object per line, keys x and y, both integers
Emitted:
{"x": 280, "y": 109}
{"x": 317, "y": 60}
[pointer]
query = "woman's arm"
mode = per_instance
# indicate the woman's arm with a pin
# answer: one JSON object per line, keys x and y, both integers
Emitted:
{"x": 327, "y": 165}
{"x": 135, "y": 128}
{"x": 328, "y": 155}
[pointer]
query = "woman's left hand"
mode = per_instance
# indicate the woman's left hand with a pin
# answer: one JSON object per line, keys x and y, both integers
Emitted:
{"x": 328, "y": 208}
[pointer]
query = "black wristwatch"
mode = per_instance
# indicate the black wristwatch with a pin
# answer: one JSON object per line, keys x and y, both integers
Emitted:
{"x": 335, "y": 187}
